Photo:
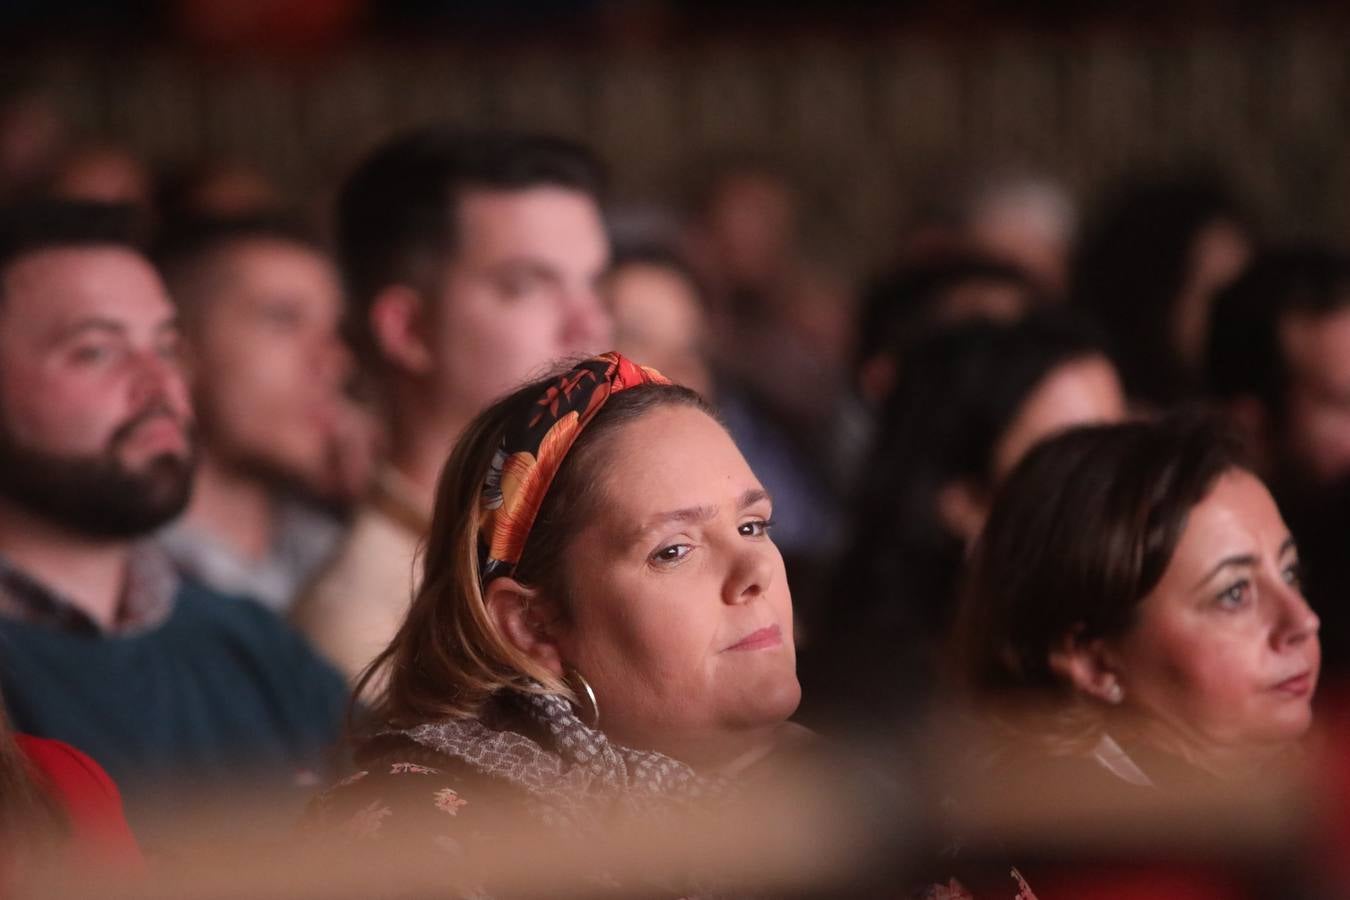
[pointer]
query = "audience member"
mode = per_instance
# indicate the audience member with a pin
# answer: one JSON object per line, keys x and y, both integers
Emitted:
{"x": 906, "y": 302}
{"x": 604, "y": 632}
{"x": 659, "y": 316}
{"x": 103, "y": 173}
{"x": 472, "y": 262}
{"x": 1148, "y": 268}
{"x": 169, "y": 686}
{"x": 1134, "y": 621}
{"x": 1279, "y": 365}
{"x": 780, "y": 329}
{"x": 259, "y": 304}
{"x": 58, "y": 808}
{"x": 970, "y": 402}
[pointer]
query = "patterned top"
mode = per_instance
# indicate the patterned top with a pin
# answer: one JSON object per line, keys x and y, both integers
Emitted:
{"x": 147, "y": 598}
{"x": 528, "y": 759}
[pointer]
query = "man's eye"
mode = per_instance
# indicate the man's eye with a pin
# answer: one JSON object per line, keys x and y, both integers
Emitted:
{"x": 93, "y": 353}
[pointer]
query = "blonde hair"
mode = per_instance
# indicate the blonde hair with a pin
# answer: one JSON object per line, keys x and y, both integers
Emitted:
{"x": 448, "y": 657}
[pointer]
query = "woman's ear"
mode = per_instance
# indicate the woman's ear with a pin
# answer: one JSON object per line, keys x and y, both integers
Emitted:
{"x": 963, "y": 507}
{"x": 525, "y": 621}
{"x": 396, "y": 324}
{"x": 1089, "y": 666}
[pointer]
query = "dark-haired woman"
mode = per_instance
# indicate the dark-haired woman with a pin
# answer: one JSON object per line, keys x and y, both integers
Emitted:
{"x": 1134, "y": 628}
{"x": 1137, "y": 586}
{"x": 603, "y": 632}
{"x": 969, "y": 403}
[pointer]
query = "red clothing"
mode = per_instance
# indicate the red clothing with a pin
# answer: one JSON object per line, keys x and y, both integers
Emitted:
{"x": 99, "y": 835}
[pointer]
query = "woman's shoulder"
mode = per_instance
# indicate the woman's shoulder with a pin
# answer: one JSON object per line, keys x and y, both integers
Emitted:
{"x": 405, "y": 791}
{"x": 88, "y": 796}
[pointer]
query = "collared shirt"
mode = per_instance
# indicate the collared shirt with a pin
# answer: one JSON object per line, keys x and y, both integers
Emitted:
{"x": 305, "y": 540}
{"x": 147, "y": 597}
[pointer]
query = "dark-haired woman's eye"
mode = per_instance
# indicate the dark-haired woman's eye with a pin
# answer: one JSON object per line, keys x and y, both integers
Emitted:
{"x": 1234, "y": 596}
{"x": 1293, "y": 575}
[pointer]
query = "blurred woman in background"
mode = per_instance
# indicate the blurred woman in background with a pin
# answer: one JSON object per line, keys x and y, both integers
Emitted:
{"x": 969, "y": 402}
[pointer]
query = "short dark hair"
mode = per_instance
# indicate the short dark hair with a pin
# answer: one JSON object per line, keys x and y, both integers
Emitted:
{"x": 1244, "y": 356}
{"x": 1132, "y": 263}
{"x": 187, "y": 247}
{"x": 396, "y": 213}
{"x": 55, "y": 224}
{"x": 1082, "y": 530}
{"x": 900, "y": 304}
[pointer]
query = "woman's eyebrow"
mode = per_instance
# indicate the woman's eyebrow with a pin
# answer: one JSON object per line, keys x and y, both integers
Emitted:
{"x": 696, "y": 514}
{"x": 1238, "y": 559}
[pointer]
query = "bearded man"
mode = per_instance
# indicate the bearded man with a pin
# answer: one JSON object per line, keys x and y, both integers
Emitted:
{"x": 179, "y": 693}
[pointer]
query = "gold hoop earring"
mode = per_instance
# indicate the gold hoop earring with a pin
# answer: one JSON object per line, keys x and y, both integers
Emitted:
{"x": 588, "y": 710}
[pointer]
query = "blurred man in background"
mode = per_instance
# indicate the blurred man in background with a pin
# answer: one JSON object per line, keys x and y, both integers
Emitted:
{"x": 171, "y": 688}
{"x": 472, "y": 262}
{"x": 259, "y": 304}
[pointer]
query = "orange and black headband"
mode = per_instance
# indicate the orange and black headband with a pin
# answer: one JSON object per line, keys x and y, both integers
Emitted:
{"x": 533, "y": 448}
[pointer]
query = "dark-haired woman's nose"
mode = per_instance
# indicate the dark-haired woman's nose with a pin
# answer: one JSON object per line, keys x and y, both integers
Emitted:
{"x": 1297, "y": 622}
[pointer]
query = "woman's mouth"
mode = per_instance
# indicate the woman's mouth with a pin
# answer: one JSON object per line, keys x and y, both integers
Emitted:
{"x": 763, "y": 639}
{"x": 1298, "y": 686}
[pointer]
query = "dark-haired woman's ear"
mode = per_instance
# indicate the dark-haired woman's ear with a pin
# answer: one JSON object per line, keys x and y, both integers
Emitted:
{"x": 396, "y": 324}
{"x": 525, "y": 620}
{"x": 1088, "y": 666}
{"x": 963, "y": 507}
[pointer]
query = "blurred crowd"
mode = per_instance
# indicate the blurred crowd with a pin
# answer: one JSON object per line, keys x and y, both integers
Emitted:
{"x": 235, "y": 543}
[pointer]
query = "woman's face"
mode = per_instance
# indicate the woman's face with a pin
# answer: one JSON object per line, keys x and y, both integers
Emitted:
{"x": 1224, "y": 654}
{"x": 680, "y": 615}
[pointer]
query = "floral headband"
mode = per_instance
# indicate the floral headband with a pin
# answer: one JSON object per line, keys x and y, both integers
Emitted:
{"x": 534, "y": 447}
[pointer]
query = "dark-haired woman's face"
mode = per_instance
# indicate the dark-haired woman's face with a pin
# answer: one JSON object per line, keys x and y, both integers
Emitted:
{"x": 1224, "y": 653}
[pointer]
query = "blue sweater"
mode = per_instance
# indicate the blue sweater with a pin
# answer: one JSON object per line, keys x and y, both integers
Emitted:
{"x": 220, "y": 694}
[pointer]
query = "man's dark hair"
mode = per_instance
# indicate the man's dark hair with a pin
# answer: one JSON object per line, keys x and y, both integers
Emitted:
{"x": 1244, "y": 355}
{"x": 902, "y": 304}
{"x": 54, "y": 224}
{"x": 186, "y": 248}
{"x": 396, "y": 215}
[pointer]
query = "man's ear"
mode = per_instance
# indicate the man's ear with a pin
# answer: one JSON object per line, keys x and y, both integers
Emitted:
{"x": 1089, "y": 666}
{"x": 963, "y": 507}
{"x": 525, "y": 621}
{"x": 397, "y": 317}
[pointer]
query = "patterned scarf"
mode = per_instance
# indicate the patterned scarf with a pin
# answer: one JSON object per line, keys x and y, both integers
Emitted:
{"x": 582, "y": 778}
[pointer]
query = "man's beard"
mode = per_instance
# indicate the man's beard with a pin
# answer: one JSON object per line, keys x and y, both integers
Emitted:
{"x": 97, "y": 496}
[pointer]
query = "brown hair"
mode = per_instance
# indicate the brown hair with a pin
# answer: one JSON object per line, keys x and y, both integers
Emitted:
{"x": 1080, "y": 533}
{"x": 448, "y": 657}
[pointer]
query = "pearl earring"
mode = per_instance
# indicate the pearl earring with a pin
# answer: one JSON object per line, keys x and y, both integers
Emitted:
{"x": 1115, "y": 693}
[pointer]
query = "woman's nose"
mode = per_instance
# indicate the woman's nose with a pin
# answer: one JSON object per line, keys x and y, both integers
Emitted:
{"x": 1298, "y": 622}
{"x": 751, "y": 574}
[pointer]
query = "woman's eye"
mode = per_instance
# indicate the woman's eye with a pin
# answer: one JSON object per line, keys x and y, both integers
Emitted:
{"x": 756, "y": 528}
{"x": 673, "y": 553}
{"x": 1293, "y": 575}
{"x": 1234, "y": 596}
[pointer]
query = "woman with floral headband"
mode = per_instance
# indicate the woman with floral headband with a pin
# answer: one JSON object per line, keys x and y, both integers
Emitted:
{"x": 603, "y": 629}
